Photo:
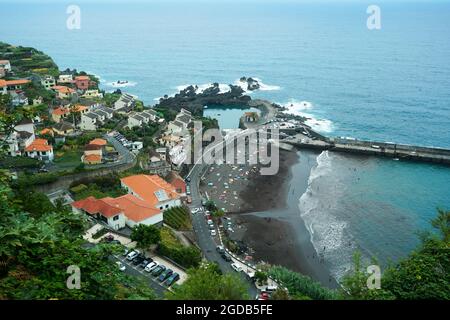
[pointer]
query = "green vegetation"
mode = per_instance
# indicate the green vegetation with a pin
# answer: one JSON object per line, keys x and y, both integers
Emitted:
{"x": 8, "y": 162}
{"x": 26, "y": 61}
{"x": 209, "y": 123}
{"x": 178, "y": 218}
{"x": 97, "y": 187}
{"x": 143, "y": 133}
{"x": 145, "y": 236}
{"x": 35, "y": 252}
{"x": 300, "y": 286}
{"x": 170, "y": 247}
{"x": 205, "y": 283}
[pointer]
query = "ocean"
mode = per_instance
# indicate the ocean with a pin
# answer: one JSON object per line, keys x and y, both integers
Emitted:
{"x": 318, "y": 59}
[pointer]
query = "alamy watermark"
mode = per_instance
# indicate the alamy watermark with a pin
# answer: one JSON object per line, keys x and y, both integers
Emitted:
{"x": 374, "y": 19}
{"x": 73, "y": 21}
{"x": 247, "y": 147}
{"x": 374, "y": 280}
{"x": 74, "y": 280}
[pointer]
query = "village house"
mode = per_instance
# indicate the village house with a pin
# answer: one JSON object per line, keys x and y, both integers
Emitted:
{"x": 40, "y": 149}
{"x": 63, "y": 128}
{"x": 93, "y": 119}
{"x": 92, "y": 154}
{"x": 12, "y": 85}
{"x": 2, "y": 72}
{"x": 156, "y": 165}
{"x": 94, "y": 93}
{"x": 137, "y": 119}
{"x": 125, "y": 103}
{"x": 65, "y": 78}
{"x": 22, "y": 136}
{"x": 82, "y": 82}
{"x": 152, "y": 189}
{"x": 48, "y": 82}
{"x": 62, "y": 112}
{"x": 119, "y": 212}
{"x": 63, "y": 92}
{"x": 6, "y": 65}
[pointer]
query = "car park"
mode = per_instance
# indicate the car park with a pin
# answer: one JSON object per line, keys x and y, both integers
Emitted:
{"x": 166, "y": 274}
{"x": 151, "y": 266}
{"x": 236, "y": 268}
{"x": 172, "y": 279}
{"x": 158, "y": 270}
{"x": 132, "y": 255}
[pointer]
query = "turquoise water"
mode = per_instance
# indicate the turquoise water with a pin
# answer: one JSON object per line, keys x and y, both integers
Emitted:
{"x": 388, "y": 85}
{"x": 227, "y": 118}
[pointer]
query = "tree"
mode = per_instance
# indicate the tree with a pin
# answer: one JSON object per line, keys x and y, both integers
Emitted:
{"x": 145, "y": 235}
{"x": 210, "y": 205}
{"x": 280, "y": 294}
{"x": 204, "y": 283}
{"x": 355, "y": 284}
{"x": 261, "y": 278}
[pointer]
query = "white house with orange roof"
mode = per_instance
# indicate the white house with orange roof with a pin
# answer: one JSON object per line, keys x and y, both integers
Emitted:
{"x": 118, "y": 212}
{"x": 152, "y": 189}
{"x": 63, "y": 92}
{"x": 40, "y": 149}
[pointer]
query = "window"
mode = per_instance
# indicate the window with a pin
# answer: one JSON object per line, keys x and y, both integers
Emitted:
{"x": 167, "y": 206}
{"x": 160, "y": 208}
{"x": 116, "y": 218}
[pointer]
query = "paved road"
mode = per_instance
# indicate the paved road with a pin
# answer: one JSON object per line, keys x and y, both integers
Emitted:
{"x": 126, "y": 156}
{"x": 201, "y": 229}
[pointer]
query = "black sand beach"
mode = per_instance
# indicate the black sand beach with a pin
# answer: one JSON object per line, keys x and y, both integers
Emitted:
{"x": 274, "y": 228}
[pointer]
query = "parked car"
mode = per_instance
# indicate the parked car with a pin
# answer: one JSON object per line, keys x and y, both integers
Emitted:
{"x": 211, "y": 227}
{"x": 163, "y": 276}
{"x": 210, "y": 222}
{"x": 220, "y": 249}
{"x": 121, "y": 266}
{"x": 226, "y": 257}
{"x": 264, "y": 296}
{"x": 146, "y": 261}
{"x": 172, "y": 279}
{"x": 188, "y": 179}
{"x": 151, "y": 266}
{"x": 133, "y": 254}
{"x": 189, "y": 200}
{"x": 213, "y": 233}
{"x": 236, "y": 267}
{"x": 158, "y": 270}
{"x": 138, "y": 260}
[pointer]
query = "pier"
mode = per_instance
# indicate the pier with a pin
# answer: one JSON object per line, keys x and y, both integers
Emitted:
{"x": 372, "y": 148}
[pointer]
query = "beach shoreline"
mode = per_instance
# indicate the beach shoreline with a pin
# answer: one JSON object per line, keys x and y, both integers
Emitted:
{"x": 274, "y": 229}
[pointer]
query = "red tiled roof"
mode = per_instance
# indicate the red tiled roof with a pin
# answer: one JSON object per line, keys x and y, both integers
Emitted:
{"x": 63, "y": 89}
{"x": 98, "y": 142}
{"x": 134, "y": 208}
{"x": 82, "y": 78}
{"x": 146, "y": 186}
{"x": 39, "y": 145}
{"x": 92, "y": 158}
{"x": 93, "y": 206}
{"x": 4, "y": 83}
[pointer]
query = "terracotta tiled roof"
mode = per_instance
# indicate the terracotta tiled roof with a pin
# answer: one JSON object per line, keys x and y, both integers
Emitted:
{"x": 94, "y": 206}
{"x": 63, "y": 89}
{"x": 4, "y": 83}
{"x": 82, "y": 78}
{"x": 99, "y": 142}
{"x": 134, "y": 209}
{"x": 146, "y": 186}
{"x": 39, "y": 145}
{"x": 46, "y": 131}
{"x": 60, "y": 111}
{"x": 92, "y": 158}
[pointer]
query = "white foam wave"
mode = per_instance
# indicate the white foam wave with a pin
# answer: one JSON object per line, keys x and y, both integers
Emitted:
{"x": 298, "y": 108}
{"x": 117, "y": 84}
{"x": 262, "y": 86}
{"x": 328, "y": 233}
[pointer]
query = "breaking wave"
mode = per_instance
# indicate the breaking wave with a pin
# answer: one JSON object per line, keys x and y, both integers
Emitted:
{"x": 328, "y": 234}
{"x": 298, "y": 108}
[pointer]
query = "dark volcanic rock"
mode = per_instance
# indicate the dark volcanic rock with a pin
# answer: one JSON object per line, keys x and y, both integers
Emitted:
{"x": 194, "y": 101}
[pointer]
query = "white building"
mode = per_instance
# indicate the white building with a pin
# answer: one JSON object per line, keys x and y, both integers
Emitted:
{"x": 48, "y": 82}
{"x": 5, "y": 64}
